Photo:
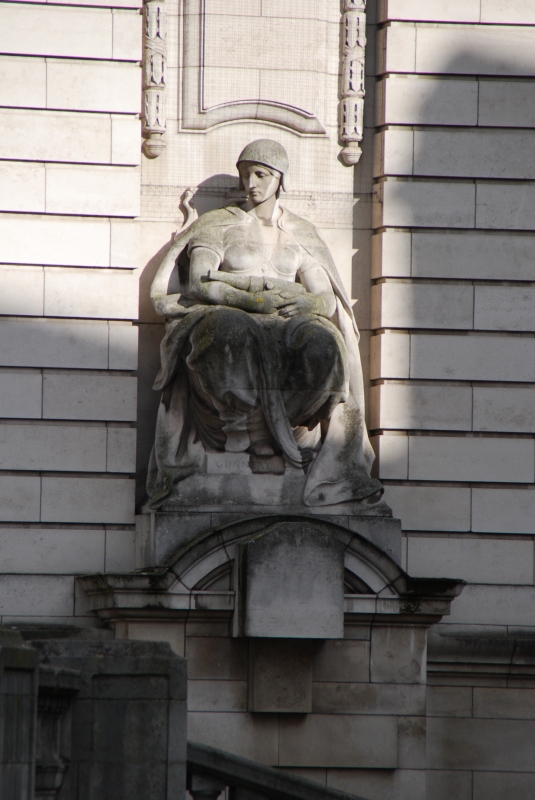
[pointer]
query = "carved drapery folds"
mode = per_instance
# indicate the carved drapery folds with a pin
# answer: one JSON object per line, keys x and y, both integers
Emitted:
{"x": 154, "y": 55}
{"x": 352, "y": 105}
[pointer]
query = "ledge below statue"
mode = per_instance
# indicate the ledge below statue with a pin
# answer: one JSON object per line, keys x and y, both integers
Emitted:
{"x": 161, "y": 533}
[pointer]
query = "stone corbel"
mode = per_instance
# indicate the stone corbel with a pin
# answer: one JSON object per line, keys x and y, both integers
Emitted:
{"x": 352, "y": 104}
{"x": 154, "y": 56}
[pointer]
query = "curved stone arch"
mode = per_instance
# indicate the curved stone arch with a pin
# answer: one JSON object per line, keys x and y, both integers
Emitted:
{"x": 198, "y": 565}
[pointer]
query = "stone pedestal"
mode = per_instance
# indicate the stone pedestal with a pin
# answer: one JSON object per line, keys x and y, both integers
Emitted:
{"x": 162, "y": 534}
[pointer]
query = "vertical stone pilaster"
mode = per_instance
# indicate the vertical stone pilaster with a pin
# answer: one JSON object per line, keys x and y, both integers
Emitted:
{"x": 154, "y": 59}
{"x": 352, "y": 104}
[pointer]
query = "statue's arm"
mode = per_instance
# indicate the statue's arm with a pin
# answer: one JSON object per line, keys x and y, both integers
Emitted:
{"x": 204, "y": 264}
{"x": 164, "y": 303}
{"x": 318, "y": 299}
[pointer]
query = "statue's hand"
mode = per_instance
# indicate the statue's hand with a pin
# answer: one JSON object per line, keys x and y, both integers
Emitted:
{"x": 267, "y": 302}
{"x": 303, "y": 304}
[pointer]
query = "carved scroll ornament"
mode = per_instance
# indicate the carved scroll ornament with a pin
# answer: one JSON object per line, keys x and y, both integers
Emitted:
{"x": 154, "y": 55}
{"x": 352, "y": 105}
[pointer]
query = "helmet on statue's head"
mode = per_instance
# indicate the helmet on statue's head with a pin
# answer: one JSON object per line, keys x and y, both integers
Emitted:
{"x": 268, "y": 153}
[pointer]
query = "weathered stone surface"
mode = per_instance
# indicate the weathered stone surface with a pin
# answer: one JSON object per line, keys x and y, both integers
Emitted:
{"x": 128, "y": 720}
{"x": 291, "y": 584}
{"x": 280, "y": 676}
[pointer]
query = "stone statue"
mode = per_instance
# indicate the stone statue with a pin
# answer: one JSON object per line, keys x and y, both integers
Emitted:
{"x": 260, "y": 355}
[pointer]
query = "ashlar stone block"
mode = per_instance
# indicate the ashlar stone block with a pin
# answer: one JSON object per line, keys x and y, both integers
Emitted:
{"x": 420, "y": 305}
{"x": 125, "y": 243}
{"x": 20, "y": 393}
{"x": 97, "y": 500}
{"x": 508, "y": 104}
{"x": 22, "y": 82}
{"x": 471, "y": 50}
{"x": 127, "y": 35}
{"x": 493, "y": 605}
{"x": 505, "y": 206}
{"x": 476, "y": 744}
{"x": 427, "y": 204}
{"x": 334, "y": 740}
{"x": 430, "y": 508}
{"x": 123, "y": 341}
{"x": 55, "y": 135}
{"x": 393, "y": 152}
{"x": 503, "y": 510}
{"x": 121, "y": 449}
{"x": 89, "y": 396}
{"x": 493, "y": 703}
{"x": 280, "y": 676}
{"x": 53, "y": 551}
{"x": 55, "y": 31}
{"x": 496, "y": 561}
{"x": 398, "y": 654}
{"x": 121, "y": 554}
{"x": 391, "y": 254}
{"x": 217, "y": 695}
{"x": 445, "y": 784}
{"x": 91, "y": 86}
{"x": 496, "y": 785}
{"x": 65, "y": 448}
{"x": 72, "y": 241}
{"x": 101, "y": 191}
{"x": 454, "y": 458}
{"x": 504, "y": 308}
{"x": 20, "y": 498}
{"x": 36, "y": 595}
{"x": 368, "y": 698}
{"x": 521, "y": 12}
{"x": 22, "y": 290}
{"x": 342, "y": 661}
{"x": 422, "y": 100}
{"x": 449, "y": 701}
{"x": 475, "y": 153}
{"x": 413, "y": 406}
{"x": 389, "y": 355}
{"x": 105, "y": 294}
{"x": 393, "y": 456}
{"x": 477, "y": 358}
{"x": 22, "y": 187}
{"x": 53, "y": 343}
{"x": 480, "y": 256}
{"x": 291, "y": 584}
{"x": 125, "y": 137}
{"x": 396, "y": 48}
{"x": 217, "y": 658}
{"x": 504, "y": 409}
{"x": 430, "y": 10}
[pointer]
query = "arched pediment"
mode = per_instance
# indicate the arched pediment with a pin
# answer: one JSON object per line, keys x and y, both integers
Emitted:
{"x": 203, "y": 575}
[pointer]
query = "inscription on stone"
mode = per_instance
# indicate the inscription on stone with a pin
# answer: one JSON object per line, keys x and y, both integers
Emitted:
{"x": 227, "y": 464}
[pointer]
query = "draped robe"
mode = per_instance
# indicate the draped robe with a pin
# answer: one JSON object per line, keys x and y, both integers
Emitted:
{"x": 230, "y": 378}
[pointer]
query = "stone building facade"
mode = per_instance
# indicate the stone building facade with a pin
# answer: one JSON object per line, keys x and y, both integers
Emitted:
{"x": 432, "y": 230}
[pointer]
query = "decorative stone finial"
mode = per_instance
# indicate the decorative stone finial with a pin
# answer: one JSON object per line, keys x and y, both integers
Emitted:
{"x": 352, "y": 105}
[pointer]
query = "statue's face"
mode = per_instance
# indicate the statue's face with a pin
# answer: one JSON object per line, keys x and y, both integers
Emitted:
{"x": 259, "y": 182}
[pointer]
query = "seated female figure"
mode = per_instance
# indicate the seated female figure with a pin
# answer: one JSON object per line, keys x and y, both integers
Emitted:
{"x": 260, "y": 354}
